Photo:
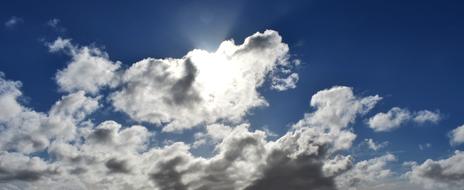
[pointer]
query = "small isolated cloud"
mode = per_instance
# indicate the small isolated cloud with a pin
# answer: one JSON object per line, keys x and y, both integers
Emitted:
{"x": 13, "y": 21}
{"x": 396, "y": 117}
{"x": 371, "y": 144}
{"x": 424, "y": 146}
{"x": 446, "y": 174}
{"x": 54, "y": 23}
{"x": 457, "y": 135}
{"x": 425, "y": 116}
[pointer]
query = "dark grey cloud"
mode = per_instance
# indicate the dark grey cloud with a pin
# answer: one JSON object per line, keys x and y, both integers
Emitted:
{"x": 302, "y": 173}
{"x": 259, "y": 42}
{"x": 102, "y": 135}
{"x": 168, "y": 178}
{"x": 23, "y": 174}
{"x": 182, "y": 90}
{"x": 117, "y": 166}
{"x": 437, "y": 172}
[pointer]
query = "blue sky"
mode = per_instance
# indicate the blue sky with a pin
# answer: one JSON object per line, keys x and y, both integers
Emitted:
{"x": 407, "y": 52}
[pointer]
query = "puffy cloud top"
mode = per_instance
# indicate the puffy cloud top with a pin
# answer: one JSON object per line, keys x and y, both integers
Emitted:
{"x": 203, "y": 87}
{"x": 440, "y": 174}
{"x": 457, "y": 135}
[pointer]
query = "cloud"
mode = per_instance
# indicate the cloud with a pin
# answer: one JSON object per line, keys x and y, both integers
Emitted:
{"x": 440, "y": 174}
{"x": 17, "y": 167}
{"x": 396, "y": 117}
{"x": 457, "y": 135}
{"x": 89, "y": 69}
{"x": 215, "y": 90}
{"x": 54, "y": 23}
{"x": 109, "y": 155}
{"x": 425, "y": 116}
{"x": 13, "y": 21}
{"x": 200, "y": 88}
{"x": 25, "y": 130}
{"x": 367, "y": 173}
{"x": 117, "y": 166}
{"x": 424, "y": 146}
{"x": 283, "y": 78}
{"x": 203, "y": 87}
{"x": 390, "y": 120}
{"x": 375, "y": 146}
{"x": 337, "y": 107}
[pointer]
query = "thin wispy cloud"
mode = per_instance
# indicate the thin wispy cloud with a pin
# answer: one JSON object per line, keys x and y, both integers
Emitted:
{"x": 13, "y": 22}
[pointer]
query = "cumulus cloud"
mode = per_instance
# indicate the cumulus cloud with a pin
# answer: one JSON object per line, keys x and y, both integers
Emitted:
{"x": 397, "y": 117}
{"x": 457, "y": 135}
{"x": 338, "y": 106}
{"x": 62, "y": 148}
{"x": 89, "y": 69}
{"x": 390, "y": 120}
{"x": 439, "y": 174}
{"x": 367, "y": 173}
{"x": 200, "y": 88}
{"x": 204, "y": 87}
{"x": 15, "y": 166}
{"x": 425, "y": 116}
{"x": 111, "y": 156}
{"x": 25, "y": 130}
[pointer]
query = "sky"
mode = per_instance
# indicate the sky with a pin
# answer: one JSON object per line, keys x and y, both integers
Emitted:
{"x": 231, "y": 95}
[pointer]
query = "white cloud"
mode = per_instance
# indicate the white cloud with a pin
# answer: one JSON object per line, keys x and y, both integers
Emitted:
{"x": 390, "y": 120}
{"x": 111, "y": 156}
{"x": 367, "y": 173}
{"x": 457, "y": 135}
{"x": 89, "y": 70}
{"x": 27, "y": 131}
{"x": 202, "y": 87}
{"x": 9, "y": 93}
{"x": 337, "y": 106}
{"x": 15, "y": 166}
{"x": 396, "y": 117}
{"x": 371, "y": 144}
{"x": 282, "y": 84}
{"x": 213, "y": 88}
{"x": 425, "y": 116}
{"x": 441, "y": 174}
